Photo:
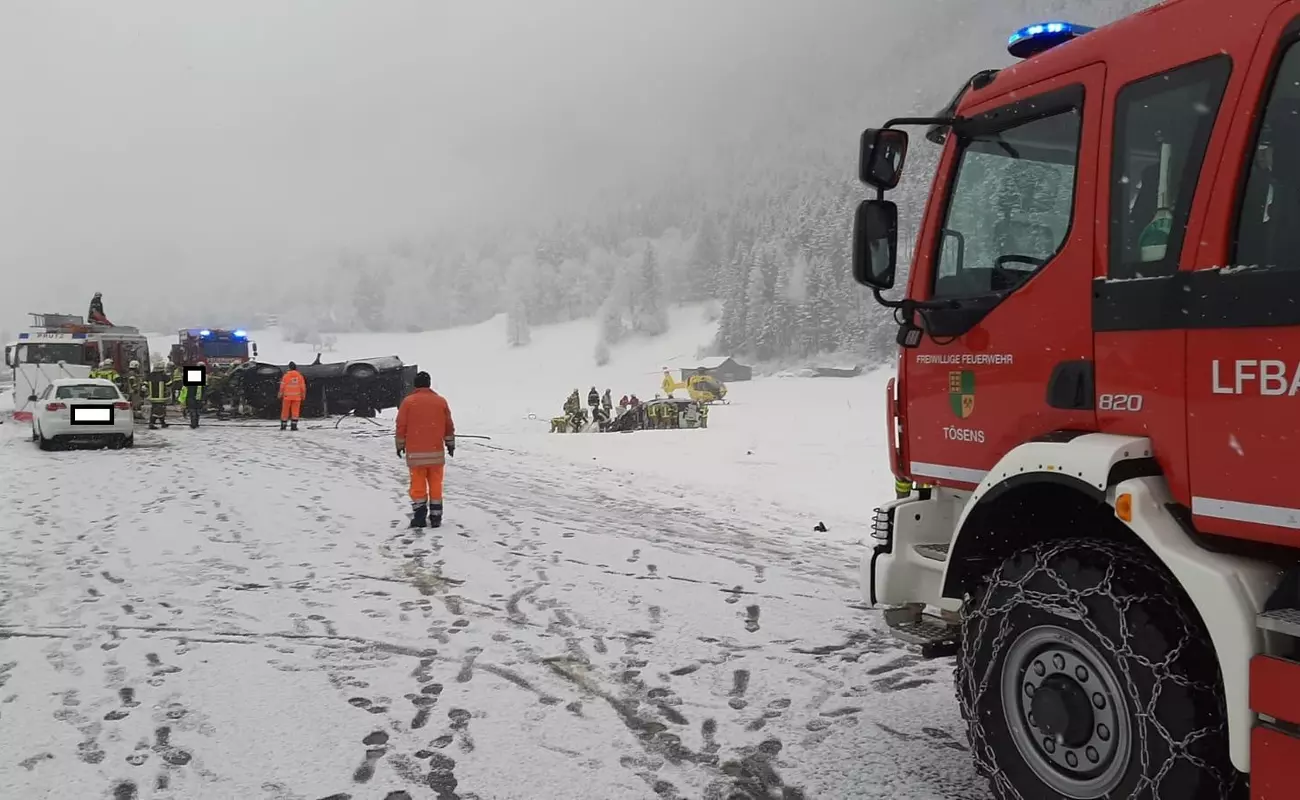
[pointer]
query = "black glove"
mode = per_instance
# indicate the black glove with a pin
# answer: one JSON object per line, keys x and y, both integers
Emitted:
{"x": 401, "y": 451}
{"x": 451, "y": 447}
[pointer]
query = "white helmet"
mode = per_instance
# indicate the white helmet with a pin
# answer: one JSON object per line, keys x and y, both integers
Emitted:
{"x": 108, "y": 362}
{"x": 133, "y": 365}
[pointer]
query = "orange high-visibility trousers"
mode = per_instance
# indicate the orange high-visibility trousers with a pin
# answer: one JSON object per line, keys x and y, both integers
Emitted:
{"x": 426, "y": 483}
{"x": 289, "y": 408}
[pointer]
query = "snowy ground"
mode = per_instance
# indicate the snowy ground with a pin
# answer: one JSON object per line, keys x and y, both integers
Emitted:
{"x": 233, "y": 612}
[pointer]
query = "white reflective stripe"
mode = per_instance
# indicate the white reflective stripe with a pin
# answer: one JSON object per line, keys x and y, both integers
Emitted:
{"x": 963, "y": 474}
{"x": 1278, "y": 516}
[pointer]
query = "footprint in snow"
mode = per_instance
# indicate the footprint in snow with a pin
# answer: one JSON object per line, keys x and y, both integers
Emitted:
{"x": 125, "y": 790}
{"x": 366, "y": 771}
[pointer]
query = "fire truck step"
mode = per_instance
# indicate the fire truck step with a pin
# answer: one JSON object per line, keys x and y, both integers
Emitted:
{"x": 934, "y": 552}
{"x": 1282, "y": 620}
{"x": 928, "y": 631}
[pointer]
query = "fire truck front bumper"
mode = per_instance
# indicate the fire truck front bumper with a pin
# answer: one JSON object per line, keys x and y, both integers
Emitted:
{"x": 910, "y": 539}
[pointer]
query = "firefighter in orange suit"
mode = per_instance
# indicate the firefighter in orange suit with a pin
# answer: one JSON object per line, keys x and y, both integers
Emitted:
{"x": 293, "y": 390}
{"x": 425, "y": 435}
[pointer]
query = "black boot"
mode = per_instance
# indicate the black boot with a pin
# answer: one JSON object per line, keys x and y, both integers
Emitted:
{"x": 418, "y": 513}
{"x": 435, "y": 514}
{"x": 293, "y": 426}
{"x": 283, "y": 424}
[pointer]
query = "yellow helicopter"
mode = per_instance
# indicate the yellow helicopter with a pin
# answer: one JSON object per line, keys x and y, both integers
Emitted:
{"x": 701, "y": 388}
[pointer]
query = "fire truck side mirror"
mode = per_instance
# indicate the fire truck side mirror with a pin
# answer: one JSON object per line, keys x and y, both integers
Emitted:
{"x": 31, "y": 398}
{"x": 881, "y": 157}
{"x": 875, "y": 243}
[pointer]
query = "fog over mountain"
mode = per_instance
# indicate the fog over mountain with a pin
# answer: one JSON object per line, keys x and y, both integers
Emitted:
{"x": 415, "y": 164}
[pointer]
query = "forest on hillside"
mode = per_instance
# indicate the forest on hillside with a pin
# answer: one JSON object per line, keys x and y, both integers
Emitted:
{"x": 756, "y": 226}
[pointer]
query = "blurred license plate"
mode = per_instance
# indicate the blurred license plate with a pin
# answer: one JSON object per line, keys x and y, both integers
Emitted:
{"x": 92, "y": 415}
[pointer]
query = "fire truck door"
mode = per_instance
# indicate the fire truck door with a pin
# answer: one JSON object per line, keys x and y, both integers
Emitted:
{"x": 1161, "y": 132}
{"x": 1243, "y": 350}
{"x": 1010, "y": 242}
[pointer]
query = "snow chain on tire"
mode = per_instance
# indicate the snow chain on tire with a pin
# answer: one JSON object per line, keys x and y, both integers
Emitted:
{"x": 1092, "y": 621}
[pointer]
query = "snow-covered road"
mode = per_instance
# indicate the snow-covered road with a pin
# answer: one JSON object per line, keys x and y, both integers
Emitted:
{"x": 236, "y": 612}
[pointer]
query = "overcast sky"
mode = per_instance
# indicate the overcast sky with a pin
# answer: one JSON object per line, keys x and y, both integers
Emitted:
{"x": 146, "y": 140}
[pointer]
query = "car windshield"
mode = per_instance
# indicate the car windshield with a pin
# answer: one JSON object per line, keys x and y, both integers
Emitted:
{"x": 87, "y": 391}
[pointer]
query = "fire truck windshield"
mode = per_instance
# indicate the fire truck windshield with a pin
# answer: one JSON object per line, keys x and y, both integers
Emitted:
{"x": 218, "y": 348}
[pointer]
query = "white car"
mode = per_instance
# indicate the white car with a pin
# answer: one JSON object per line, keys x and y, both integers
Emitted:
{"x": 82, "y": 411}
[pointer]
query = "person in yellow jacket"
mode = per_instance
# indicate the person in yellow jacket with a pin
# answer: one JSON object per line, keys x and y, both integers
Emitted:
{"x": 106, "y": 371}
{"x": 191, "y": 399}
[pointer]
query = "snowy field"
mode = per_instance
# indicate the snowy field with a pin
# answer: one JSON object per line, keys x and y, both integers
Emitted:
{"x": 237, "y": 612}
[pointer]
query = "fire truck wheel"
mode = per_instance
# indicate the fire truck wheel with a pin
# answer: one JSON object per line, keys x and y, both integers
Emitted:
{"x": 1085, "y": 673}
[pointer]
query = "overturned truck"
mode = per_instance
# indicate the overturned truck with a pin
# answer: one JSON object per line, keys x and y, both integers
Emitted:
{"x": 360, "y": 387}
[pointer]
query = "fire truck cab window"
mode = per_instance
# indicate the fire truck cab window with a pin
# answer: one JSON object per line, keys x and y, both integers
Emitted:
{"x": 1010, "y": 207}
{"x": 1162, "y": 126}
{"x": 69, "y": 353}
{"x": 219, "y": 348}
{"x": 1268, "y": 232}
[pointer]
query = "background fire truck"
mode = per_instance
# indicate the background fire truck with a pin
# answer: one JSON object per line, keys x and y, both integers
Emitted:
{"x": 213, "y": 347}
{"x": 64, "y": 346}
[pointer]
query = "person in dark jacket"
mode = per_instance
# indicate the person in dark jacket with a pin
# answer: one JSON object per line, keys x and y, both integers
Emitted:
{"x": 159, "y": 383}
{"x": 96, "y": 314}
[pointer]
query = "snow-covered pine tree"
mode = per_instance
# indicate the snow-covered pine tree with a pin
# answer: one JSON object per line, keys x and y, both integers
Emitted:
{"x": 369, "y": 299}
{"x": 650, "y": 310}
{"x": 705, "y": 263}
{"x": 518, "y": 333}
{"x": 780, "y": 316}
{"x": 760, "y": 339}
{"x": 519, "y": 291}
{"x": 731, "y": 328}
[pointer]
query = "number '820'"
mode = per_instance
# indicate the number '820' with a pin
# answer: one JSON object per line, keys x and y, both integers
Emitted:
{"x": 1119, "y": 402}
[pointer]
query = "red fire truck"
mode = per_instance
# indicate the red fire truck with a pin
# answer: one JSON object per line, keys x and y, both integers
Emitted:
{"x": 213, "y": 347}
{"x": 1096, "y": 414}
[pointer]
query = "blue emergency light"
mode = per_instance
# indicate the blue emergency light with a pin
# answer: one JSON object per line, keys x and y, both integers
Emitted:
{"x": 78, "y": 336}
{"x": 24, "y": 335}
{"x": 205, "y": 333}
{"x": 1034, "y": 39}
{"x": 241, "y": 334}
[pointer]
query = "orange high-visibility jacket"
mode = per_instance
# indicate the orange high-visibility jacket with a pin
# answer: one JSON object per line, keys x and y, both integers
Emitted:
{"x": 424, "y": 427}
{"x": 293, "y": 386}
